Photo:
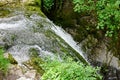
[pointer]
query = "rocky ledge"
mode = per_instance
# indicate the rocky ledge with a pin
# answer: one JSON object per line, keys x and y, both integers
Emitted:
{"x": 18, "y": 71}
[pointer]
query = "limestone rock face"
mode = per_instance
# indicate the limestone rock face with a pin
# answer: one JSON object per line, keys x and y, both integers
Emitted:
{"x": 17, "y": 72}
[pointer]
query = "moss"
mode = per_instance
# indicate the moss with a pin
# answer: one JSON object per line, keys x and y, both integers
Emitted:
{"x": 34, "y": 52}
{"x": 33, "y": 6}
{"x": 13, "y": 37}
{"x": 33, "y": 3}
{"x": 36, "y": 63}
{"x": 11, "y": 59}
{"x": 4, "y": 12}
{"x": 30, "y": 7}
{"x": 6, "y": 8}
{"x": 33, "y": 9}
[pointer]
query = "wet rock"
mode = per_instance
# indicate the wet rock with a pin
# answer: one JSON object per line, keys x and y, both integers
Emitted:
{"x": 108, "y": 72}
{"x": 98, "y": 54}
{"x": 111, "y": 74}
{"x": 35, "y": 63}
{"x": 34, "y": 52}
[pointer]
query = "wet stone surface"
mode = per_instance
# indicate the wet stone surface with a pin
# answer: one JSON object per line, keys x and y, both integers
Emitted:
{"x": 108, "y": 72}
{"x": 112, "y": 74}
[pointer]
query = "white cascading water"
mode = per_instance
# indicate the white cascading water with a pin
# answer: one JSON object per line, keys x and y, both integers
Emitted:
{"x": 21, "y": 52}
{"x": 65, "y": 36}
{"x": 68, "y": 39}
{"x": 15, "y": 22}
{"x": 22, "y": 28}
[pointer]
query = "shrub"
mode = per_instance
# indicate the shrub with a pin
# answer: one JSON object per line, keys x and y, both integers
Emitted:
{"x": 47, "y": 4}
{"x": 107, "y": 13}
{"x": 69, "y": 71}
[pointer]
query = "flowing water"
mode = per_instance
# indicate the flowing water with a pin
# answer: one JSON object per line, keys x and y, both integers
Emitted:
{"x": 19, "y": 34}
{"x": 24, "y": 35}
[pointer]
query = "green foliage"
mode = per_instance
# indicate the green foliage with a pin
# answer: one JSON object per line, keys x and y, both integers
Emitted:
{"x": 3, "y": 61}
{"x": 82, "y": 5}
{"x": 47, "y": 4}
{"x": 69, "y": 70}
{"x": 109, "y": 16}
{"x": 107, "y": 13}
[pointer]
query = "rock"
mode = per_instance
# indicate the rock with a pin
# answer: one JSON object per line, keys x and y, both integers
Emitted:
{"x": 11, "y": 77}
{"x": 31, "y": 74}
{"x": 14, "y": 72}
{"x": 10, "y": 58}
{"x": 21, "y": 72}
{"x": 17, "y": 72}
{"x": 24, "y": 78}
{"x": 35, "y": 63}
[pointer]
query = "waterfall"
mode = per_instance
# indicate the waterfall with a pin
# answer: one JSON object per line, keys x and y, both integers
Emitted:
{"x": 21, "y": 33}
{"x": 65, "y": 36}
{"x": 69, "y": 40}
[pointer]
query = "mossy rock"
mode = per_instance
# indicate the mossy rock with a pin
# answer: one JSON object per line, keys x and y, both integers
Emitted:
{"x": 33, "y": 52}
{"x": 33, "y": 6}
{"x": 10, "y": 58}
{"x": 4, "y": 12}
{"x": 33, "y": 2}
{"x": 34, "y": 9}
{"x": 28, "y": 6}
{"x": 35, "y": 63}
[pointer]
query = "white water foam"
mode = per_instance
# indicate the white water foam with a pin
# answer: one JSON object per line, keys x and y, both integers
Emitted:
{"x": 21, "y": 53}
{"x": 68, "y": 39}
{"x": 13, "y": 22}
{"x": 11, "y": 25}
{"x": 64, "y": 35}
